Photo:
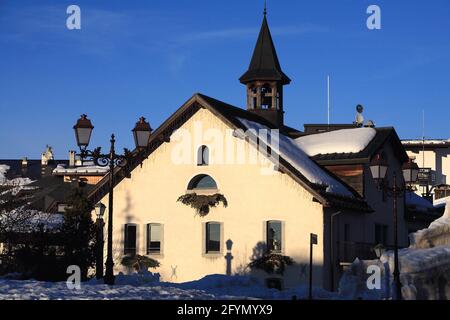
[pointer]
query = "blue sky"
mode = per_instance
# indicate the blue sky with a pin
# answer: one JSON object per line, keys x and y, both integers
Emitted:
{"x": 134, "y": 58}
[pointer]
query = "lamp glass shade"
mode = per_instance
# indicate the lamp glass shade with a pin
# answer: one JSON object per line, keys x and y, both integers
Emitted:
{"x": 378, "y": 168}
{"x": 100, "y": 210}
{"x": 83, "y": 130}
{"x": 379, "y": 250}
{"x": 410, "y": 172}
{"x": 141, "y": 133}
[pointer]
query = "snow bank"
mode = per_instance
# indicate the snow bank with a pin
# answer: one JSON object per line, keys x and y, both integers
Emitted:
{"x": 424, "y": 267}
{"x": 291, "y": 152}
{"x": 3, "y": 170}
{"x": 147, "y": 286}
{"x": 437, "y": 234}
{"x": 338, "y": 141}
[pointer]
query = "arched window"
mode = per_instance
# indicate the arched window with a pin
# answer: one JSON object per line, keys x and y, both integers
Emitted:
{"x": 202, "y": 181}
{"x": 203, "y": 156}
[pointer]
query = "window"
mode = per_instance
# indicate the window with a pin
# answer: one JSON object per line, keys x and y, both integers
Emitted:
{"x": 381, "y": 234}
{"x": 130, "y": 239}
{"x": 212, "y": 237}
{"x": 154, "y": 238}
{"x": 203, "y": 156}
{"x": 274, "y": 236}
{"x": 202, "y": 181}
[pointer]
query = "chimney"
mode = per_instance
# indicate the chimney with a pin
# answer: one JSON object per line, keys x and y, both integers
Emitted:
{"x": 71, "y": 158}
{"x": 24, "y": 162}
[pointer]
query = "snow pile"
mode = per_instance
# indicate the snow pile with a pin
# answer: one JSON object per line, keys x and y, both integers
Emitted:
{"x": 424, "y": 267}
{"x": 437, "y": 234}
{"x": 353, "y": 283}
{"x": 3, "y": 170}
{"x": 291, "y": 152}
{"x": 338, "y": 141}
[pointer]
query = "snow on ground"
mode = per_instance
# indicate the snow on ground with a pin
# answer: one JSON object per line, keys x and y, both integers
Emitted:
{"x": 147, "y": 287}
{"x": 338, "y": 141}
{"x": 291, "y": 152}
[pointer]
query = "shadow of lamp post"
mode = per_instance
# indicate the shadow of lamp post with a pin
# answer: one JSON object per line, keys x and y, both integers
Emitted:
{"x": 312, "y": 241}
{"x": 229, "y": 256}
{"x": 410, "y": 170}
{"x": 83, "y": 130}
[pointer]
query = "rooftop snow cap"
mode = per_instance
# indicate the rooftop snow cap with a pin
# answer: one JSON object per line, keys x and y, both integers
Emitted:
{"x": 264, "y": 64}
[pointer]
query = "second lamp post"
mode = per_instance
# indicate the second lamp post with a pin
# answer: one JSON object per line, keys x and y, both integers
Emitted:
{"x": 83, "y": 130}
{"x": 379, "y": 167}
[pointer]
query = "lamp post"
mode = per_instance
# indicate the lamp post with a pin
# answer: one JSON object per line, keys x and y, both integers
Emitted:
{"x": 378, "y": 168}
{"x": 99, "y": 223}
{"x": 83, "y": 130}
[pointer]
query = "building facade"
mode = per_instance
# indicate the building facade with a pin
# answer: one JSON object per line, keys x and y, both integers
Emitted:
{"x": 207, "y": 150}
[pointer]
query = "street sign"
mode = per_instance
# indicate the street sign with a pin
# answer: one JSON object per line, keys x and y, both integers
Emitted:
{"x": 424, "y": 176}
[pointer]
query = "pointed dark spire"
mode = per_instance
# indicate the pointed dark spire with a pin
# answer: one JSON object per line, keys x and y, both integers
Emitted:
{"x": 264, "y": 64}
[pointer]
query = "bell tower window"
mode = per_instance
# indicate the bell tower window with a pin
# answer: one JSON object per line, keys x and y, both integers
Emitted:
{"x": 266, "y": 97}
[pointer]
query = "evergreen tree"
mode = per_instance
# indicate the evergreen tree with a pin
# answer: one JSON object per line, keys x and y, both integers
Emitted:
{"x": 79, "y": 232}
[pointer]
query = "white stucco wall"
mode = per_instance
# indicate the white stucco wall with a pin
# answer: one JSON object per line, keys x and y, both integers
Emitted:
{"x": 150, "y": 195}
{"x": 437, "y": 159}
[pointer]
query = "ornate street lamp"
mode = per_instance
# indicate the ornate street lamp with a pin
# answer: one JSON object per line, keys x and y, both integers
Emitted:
{"x": 141, "y": 133}
{"x": 99, "y": 223}
{"x": 379, "y": 250}
{"x": 378, "y": 168}
{"x": 83, "y": 130}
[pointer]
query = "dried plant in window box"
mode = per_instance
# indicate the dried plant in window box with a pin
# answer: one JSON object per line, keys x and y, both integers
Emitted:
{"x": 271, "y": 263}
{"x": 139, "y": 263}
{"x": 203, "y": 203}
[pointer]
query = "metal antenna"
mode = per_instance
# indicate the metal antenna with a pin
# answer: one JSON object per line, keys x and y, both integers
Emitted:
{"x": 265, "y": 7}
{"x": 423, "y": 138}
{"x": 328, "y": 99}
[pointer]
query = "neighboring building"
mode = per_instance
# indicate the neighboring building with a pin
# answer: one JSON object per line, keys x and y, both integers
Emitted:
{"x": 51, "y": 181}
{"x": 329, "y": 193}
{"x": 433, "y": 157}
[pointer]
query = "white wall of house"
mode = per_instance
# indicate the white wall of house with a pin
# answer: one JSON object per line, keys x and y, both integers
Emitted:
{"x": 150, "y": 195}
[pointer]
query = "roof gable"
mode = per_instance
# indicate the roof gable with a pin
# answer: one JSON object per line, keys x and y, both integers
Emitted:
{"x": 229, "y": 115}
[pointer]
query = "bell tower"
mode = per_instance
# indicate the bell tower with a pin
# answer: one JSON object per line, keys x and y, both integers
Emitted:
{"x": 264, "y": 79}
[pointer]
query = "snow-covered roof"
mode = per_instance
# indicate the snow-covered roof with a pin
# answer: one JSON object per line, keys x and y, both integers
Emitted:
{"x": 427, "y": 141}
{"x": 291, "y": 152}
{"x": 28, "y": 220}
{"x": 338, "y": 141}
{"x": 86, "y": 169}
{"x": 441, "y": 202}
{"x": 419, "y": 203}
